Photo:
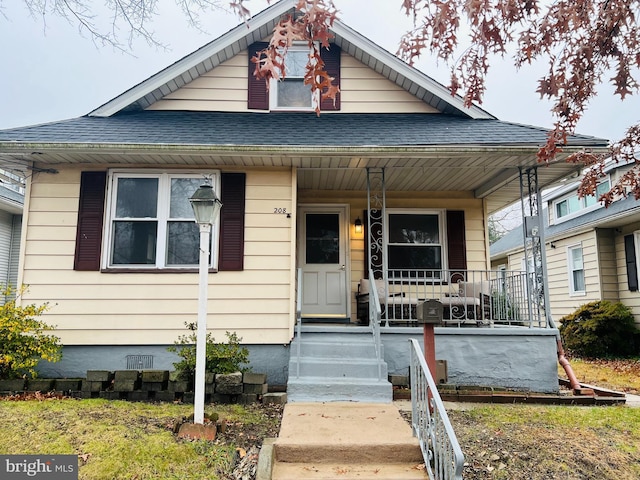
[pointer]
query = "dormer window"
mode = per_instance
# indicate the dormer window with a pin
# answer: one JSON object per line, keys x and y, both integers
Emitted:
{"x": 290, "y": 93}
{"x": 571, "y": 205}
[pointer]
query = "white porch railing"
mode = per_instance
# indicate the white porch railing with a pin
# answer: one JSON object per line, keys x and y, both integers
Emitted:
{"x": 469, "y": 297}
{"x": 442, "y": 454}
{"x": 298, "y": 319}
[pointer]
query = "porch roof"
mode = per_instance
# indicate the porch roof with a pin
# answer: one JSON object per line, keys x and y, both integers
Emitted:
{"x": 421, "y": 152}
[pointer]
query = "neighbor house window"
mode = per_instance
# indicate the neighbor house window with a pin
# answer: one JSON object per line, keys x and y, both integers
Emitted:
{"x": 576, "y": 270}
{"x": 291, "y": 93}
{"x": 415, "y": 243}
{"x": 570, "y": 205}
{"x": 151, "y": 222}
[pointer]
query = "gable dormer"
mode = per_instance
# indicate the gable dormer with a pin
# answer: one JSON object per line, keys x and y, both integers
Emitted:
{"x": 216, "y": 77}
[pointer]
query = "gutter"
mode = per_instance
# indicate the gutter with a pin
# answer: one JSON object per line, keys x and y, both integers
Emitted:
{"x": 119, "y": 148}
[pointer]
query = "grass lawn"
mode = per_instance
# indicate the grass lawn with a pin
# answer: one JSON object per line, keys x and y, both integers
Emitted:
{"x": 127, "y": 440}
{"x": 532, "y": 442}
{"x": 620, "y": 375}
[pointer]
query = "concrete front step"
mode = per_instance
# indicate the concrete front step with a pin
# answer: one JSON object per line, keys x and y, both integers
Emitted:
{"x": 338, "y": 368}
{"x": 345, "y": 440}
{"x": 331, "y": 471}
{"x": 343, "y": 389}
{"x": 337, "y": 365}
{"x": 338, "y": 348}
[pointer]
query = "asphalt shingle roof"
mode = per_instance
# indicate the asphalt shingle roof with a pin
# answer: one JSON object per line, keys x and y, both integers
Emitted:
{"x": 513, "y": 239}
{"x": 287, "y": 129}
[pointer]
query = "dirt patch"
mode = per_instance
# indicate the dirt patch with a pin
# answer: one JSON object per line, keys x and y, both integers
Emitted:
{"x": 537, "y": 451}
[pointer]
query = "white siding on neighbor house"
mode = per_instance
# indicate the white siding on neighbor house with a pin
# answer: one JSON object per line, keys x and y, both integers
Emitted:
{"x": 474, "y": 223}
{"x": 151, "y": 308}
{"x": 6, "y": 234}
{"x": 608, "y": 264}
{"x": 629, "y": 298}
{"x": 561, "y": 299}
{"x": 225, "y": 89}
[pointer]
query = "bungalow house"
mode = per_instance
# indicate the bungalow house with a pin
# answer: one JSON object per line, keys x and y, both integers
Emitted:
{"x": 591, "y": 251}
{"x": 394, "y": 180}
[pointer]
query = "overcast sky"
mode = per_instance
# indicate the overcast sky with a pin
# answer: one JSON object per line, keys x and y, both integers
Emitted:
{"x": 52, "y": 72}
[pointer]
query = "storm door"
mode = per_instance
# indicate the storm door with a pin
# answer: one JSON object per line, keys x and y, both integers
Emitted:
{"x": 322, "y": 260}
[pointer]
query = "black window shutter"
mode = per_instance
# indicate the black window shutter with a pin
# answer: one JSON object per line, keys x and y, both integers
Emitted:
{"x": 257, "y": 87}
{"x": 331, "y": 59}
{"x": 90, "y": 218}
{"x": 232, "y": 221}
{"x": 457, "y": 249}
{"x": 630, "y": 259}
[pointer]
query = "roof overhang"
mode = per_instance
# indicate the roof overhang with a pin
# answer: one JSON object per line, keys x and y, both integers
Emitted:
{"x": 485, "y": 172}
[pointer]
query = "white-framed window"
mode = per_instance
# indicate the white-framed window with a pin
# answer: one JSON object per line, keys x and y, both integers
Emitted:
{"x": 571, "y": 205}
{"x": 416, "y": 242}
{"x": 575, "y": 265}
{"x": 290, "y": 93}
{"x": 150, "y": 222}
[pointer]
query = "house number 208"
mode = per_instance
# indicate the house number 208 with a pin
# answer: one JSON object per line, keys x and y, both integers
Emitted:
{"x": 280, "y": 210}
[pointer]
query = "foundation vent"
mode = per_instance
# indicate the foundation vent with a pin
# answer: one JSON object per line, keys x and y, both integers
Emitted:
{"x": 139, "y": 362}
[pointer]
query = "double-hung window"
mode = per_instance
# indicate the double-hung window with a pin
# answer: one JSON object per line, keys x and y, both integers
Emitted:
{"x": 576, "y": 270}
{"x": 291, "y": 93}
{"x": 415, "y": 243}
{"x": 151, "y": 222}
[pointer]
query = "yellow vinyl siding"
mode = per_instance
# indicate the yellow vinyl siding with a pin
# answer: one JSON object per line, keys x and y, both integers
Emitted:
{"x": 151, "y": 308}
{"x": 224, "y": 89}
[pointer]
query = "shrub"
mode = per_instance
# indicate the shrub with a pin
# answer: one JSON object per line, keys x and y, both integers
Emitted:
{"x": 599, "y": 329}
{"x": 224, "y": 357}
{"x": 23, "y": 338}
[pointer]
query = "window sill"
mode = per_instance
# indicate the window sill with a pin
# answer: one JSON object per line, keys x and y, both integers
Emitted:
{"x": 578, "y": 294}
{"x": 155, "y": 270}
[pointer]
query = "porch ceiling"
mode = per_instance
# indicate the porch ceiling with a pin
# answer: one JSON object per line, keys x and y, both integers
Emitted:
{"x": 489, "y": 172}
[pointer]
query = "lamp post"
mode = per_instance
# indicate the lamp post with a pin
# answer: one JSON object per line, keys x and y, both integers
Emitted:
{"x": 206, "y": 207}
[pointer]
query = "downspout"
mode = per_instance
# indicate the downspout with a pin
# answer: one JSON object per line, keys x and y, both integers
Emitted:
{"x": 562, "y": 359}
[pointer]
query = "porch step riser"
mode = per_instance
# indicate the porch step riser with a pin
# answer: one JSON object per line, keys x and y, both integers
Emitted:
{"x": 336, "y": 350}
{"x": 347, "y": 390}
{"x": 349, "y": 454}
{"x": 338, "y": 368}
{"x": 296, "y": 471}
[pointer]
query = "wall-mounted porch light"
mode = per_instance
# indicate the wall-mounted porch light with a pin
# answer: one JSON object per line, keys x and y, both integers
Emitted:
{"x": 358, "y": 225}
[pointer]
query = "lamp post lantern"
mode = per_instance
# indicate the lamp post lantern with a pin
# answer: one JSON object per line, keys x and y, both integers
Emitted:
{"x": 206, "y": 208}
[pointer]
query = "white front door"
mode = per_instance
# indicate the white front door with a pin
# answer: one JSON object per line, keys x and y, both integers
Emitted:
{"x": 322, "y": 260}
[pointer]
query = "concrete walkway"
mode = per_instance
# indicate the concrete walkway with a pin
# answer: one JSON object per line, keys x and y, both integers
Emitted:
{"x": 345, "y": 440}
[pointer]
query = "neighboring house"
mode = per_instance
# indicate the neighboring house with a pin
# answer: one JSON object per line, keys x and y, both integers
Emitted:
{"x": 11, "y": 204}
{"x": 592, "y": 252}
{"x": 110, "y": 237}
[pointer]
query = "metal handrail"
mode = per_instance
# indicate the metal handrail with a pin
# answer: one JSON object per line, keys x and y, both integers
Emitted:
{"x": 298, "y": 319}
{"x": 470, "y": 297}
{"x": 375, "y": 318}
{"x": 442, "y": 454}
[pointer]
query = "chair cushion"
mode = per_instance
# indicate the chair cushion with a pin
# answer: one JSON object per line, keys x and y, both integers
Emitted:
{"x": 470, "y": 289}
{"x": 380, "y": 287}
{"x": 459, "y": 301}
